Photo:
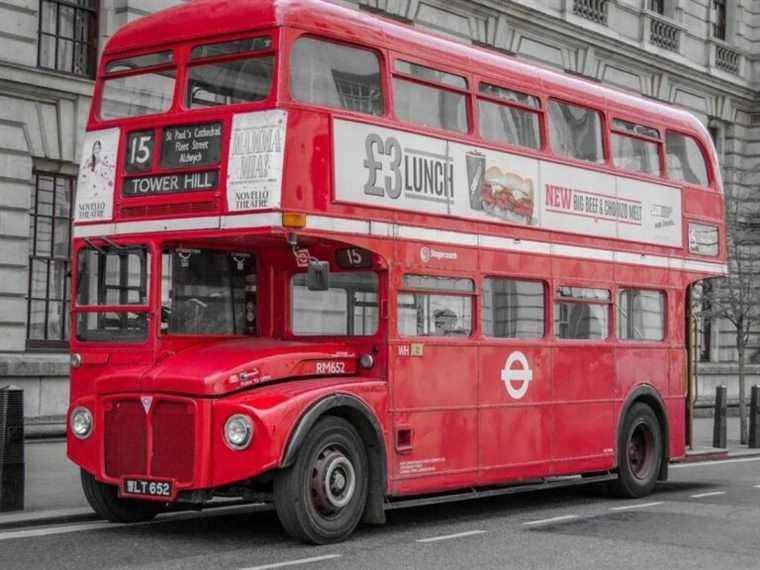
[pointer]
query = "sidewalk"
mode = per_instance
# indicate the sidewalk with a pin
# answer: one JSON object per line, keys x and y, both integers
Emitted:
{"x": 53, "y": 491}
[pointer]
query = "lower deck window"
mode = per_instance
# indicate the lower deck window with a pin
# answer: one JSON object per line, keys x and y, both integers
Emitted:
{"x": 641, "y": 315}
{"x": 581, "y": 313}
{"x": 513, "y": 308}
{"x": 347, "y": 308}
{"x": 433, "y": 313}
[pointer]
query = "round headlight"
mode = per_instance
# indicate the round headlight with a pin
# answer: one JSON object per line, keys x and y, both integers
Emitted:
{"x": 238, "y": 432}
{"x": 76, "y": 360}
{"x": 81, "y": 423}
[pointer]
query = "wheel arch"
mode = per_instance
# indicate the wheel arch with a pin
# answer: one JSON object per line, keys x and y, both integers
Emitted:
{"x": 363, "y": 419}
{"x": 646, "y": 394}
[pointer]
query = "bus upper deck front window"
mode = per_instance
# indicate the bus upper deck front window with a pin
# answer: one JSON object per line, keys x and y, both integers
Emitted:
{"x": 130, "y": 92}
{"x": 207, "y": 291}
{"x": 227, "y": 73}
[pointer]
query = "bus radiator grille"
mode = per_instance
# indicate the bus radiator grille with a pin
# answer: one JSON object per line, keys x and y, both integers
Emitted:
{"x": 172, "y": 429}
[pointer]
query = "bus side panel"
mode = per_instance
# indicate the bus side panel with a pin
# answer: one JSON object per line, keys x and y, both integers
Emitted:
{"x": 434, "y": 403}
{"x": 515, "y": 421}
{"x": 584, "y": 421}
{"x": 676, "y": 410}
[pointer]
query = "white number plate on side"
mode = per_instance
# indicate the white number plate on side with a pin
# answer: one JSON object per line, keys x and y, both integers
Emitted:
{"x": 147, "y": 489}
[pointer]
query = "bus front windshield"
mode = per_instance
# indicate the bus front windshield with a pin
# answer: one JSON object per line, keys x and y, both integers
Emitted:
{"x": 208, "y": 292}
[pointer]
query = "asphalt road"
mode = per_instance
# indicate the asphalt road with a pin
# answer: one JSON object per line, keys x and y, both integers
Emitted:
{"x": 706, "y": 516}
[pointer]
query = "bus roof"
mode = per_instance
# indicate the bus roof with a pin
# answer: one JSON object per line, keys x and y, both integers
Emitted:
{"x": 216, "y": 18}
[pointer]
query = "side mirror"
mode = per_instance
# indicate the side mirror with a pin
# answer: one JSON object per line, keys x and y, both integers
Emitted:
{"x": 318, "y": 276}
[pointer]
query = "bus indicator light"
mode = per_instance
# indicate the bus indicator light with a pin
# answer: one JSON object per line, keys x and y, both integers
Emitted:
{"x": 293, "y": 220}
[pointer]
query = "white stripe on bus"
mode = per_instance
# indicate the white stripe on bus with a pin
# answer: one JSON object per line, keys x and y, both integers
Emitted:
{"x": 396, "y": 231}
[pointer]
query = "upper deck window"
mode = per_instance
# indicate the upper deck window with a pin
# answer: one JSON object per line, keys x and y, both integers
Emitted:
{"x": 430, "y": 74}
{"x": 229, "y": 82}
{"x": 137, "y": 94}
{"x": 686, "y": 163}
{"x": 139, "y": 62}
{"x": 509, "y": 123}
{"x": 429, "y": 105}
{"x": 632, "y": 151}
{"x": 576, "y": 131}
{"x": 334, "y": 75}
{"x": 233, "y": 47}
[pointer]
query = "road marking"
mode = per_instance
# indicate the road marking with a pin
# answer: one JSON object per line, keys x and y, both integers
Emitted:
{"x": 551, "y": 520}
{"x": 28, "y": 533}
{"x": 710, "y": 463}
{"x": 712, "y": 494}
{"x": 638, "y": 506}
{"x": 102, "y": 525}
{"x": 295, "y": 562}
{"x": 450, "y": 536}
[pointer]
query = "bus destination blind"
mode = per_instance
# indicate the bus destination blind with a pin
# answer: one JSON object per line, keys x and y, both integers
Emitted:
{"x": 170, "y": 184}
{"x": 191, "y": 145}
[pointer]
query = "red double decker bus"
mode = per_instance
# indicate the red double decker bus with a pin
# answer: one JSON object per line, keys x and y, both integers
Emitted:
{"x": 326, "y": 260}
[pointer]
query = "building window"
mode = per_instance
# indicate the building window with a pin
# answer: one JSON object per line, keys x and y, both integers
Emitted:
{"x": 719, "y": 19}
{"x": 68, "y": 33}
{"x": 49, "y": 253}
{"x": 656, "y": 6}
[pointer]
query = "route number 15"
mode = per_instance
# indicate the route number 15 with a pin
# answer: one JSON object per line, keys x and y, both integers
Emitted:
{"x": 139, "y": 151}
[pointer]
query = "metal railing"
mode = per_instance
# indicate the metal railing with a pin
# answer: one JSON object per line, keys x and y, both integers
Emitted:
{"x": 664, "y": 34}
{"x": 594, "y": 10}
{"x": 727, "y": 59}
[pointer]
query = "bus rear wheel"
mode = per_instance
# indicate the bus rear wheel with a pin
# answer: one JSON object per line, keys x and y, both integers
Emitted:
{"x": 105, "y": 501}
{"x": 321, "y": 498}
{"x": 640, "y": 448}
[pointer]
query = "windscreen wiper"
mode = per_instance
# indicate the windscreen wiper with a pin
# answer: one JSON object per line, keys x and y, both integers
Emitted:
{"x": 90, "y": 243}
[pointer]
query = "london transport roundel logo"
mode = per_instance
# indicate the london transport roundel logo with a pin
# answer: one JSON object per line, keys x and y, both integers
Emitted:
{"x": 517, "y": 375}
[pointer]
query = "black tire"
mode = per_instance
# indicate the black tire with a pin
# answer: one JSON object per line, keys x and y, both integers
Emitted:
{"x": 105, "y": 501}
{"x": 640, "y": 448}
{"x": 310, "y": 509}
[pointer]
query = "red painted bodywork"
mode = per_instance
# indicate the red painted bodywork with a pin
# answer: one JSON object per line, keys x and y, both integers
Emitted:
{"x": 448, "y": 405}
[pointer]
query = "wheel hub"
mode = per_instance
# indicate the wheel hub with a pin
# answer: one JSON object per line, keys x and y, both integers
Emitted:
{"x": 640, "y": 451}
{"x": 333, "y": 481}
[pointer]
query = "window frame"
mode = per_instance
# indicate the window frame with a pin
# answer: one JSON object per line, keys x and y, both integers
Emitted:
{"x": 154, "y": 268}
{"x": 466, "y": 92}
{"x": 610, "y": 303}
{"x": 175, "y": 64}
{"x": 613, "y": 130}
{"x": 169, "y": 248}
{"x": 548, "y": 302}
{"x": 604, "y": 124}
{"x": 91, "y": 43}
{"x": 284, "y": 85}
{"x": 475, "y": 328}
{"x": 539, "y": 111}
{"x": 665, "y": 317}
{"x": 711, "y": 177}
{"x": 47, "y": 344}
{"x": 188, "y": 63}
{"x": 289, "y": 306}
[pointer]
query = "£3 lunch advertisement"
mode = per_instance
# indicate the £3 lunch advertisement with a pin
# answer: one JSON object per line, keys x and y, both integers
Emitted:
{"x": 401, "y": 170}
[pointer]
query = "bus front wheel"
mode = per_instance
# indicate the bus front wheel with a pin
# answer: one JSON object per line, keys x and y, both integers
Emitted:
{"x": 321, "y": 497}
{"x": 105, "y": 501}
{"x": 639, "y": 453}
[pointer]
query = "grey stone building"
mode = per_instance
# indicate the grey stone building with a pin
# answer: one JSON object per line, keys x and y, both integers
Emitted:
{"x": 702, "y": 55}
